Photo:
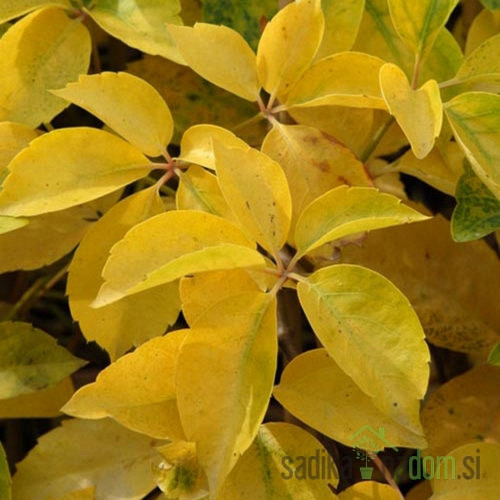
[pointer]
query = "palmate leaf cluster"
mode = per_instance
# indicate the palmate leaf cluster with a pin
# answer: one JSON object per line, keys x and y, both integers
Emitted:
{"x": 289, "y": 187}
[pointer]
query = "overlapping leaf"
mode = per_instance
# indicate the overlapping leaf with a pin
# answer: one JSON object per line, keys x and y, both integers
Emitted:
{"x": 381, "y": 348}
{"x": 11, "y": 9}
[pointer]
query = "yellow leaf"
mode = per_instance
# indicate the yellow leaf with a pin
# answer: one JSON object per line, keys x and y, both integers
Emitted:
{"x": 220, "y": 55}
{"x": 179, "y": 475}
{"x": 477, "y": 462}
{"x": 343, "y": 79}
{"x": 224, "y": 380}
{"x": 344, "y": 210}
{"x": 418, "y": 112}
{"x": 11, "y": 9}
{"x": 132, "y": 320}
{"x": 137, "y": 390}
{"x": 349, "y": 126}
{"x": 201, "y": 292}
{"x": 128, "y": 105}
{"x": 45, "y": 239}
{"x": 371, "y": 331}
{"x": 314, "y": 389}
{"x": 85, "y": 494}
{"x": 342, "y": 20}
{"x": 463, "y": 410}
{"x": 288, "y": 46}
{"x": 65, "y": 459}
{"x": 13, "y": 138}
{"x": 369, "y": 489}
{"x": 256, "y": 189}
{"x": 418, "y": 23}
{"x": 276, "y": 466}
{"x": 199, "y": 190}
{"x": 169, "y": 246}
{"x": 313, "y": 163}
{"x": 457, "y": 314}
{"x": 422, "y": 491}
{"x": 485, "y": 25}
{"x": 37, "y": 184}
{"x": 31, "y": 360}
{"x": 45, "y": 403}
{"x": 8, "y": 224}
{"x": 35, "y": 59}
{"x": 197, "y": 144}
{"x": 140, "y": 24}
{"x": 475, "y": 120}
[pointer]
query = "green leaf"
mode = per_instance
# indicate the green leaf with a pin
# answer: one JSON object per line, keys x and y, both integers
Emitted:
{"x": 264, "y": 472}
{"x": 342, "y": 20}
{"x": 5, "y": 480}
{"x": 66, "y": 458}
{"x": 140, "y": 24}
{"x": 137, "y": 390}
{"x": 371, "y": 331}
{"x": 288, "y": 46}
{"x": 475, "y": 120}
{"x": 418, "y": 23}
{"x": 244, "y": 17}
{"x": 221, "y": 56}
{"x": 477, "y": 212}
{"x": 35, "y": 59}
{"x": 418, "y": 112}
{"x": 31, "y": 360}
{"x": 128, "y": 322}
{"x": 345, "y": 210}
{"x": 224, "y": 380}
{"x": 344, "y": 79}
{"x": 95, "y": 163}
{"x": 128, "y": 105}
{"x": 256, "y": 189}
{"x": 169, "y": 246}
{"x": 314, "y": 389}
{"x": 491, "y": 4}
{"x": 494, "y": 356}
{"x": 10, "y": 9}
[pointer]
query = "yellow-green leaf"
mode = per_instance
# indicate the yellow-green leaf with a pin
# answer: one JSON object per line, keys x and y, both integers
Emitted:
{"x": 127, "y": 104}
{"x": 5, "y": 480}
{"x": 418, "y": 23}
{"x": 197, "y": 144}
{"x": 313, "y": 163}
{"x": 8, "y": 224}
{"x": 45, "y": 403}
{"x": 463, "y": 410}
{"x": 31, "y": 360}
{"x": 485, "y": 25}
{"x": 314, "y": 389}
{"x": 11, "y": 9}
{"x": 418, "y": 112}
{"x": 288, "y": 45}
{"x": 132, "y": 320}
{"x": 343, "y": 79}
{"x": 220, "y": 55}
{"x": 140, "y": 24}
{"x": 369, "y": 490}
{"x": 345, "y": 210}
{"x": 494, "y": 355}
{"x": 43, "y": 51}
{"x": 256, "y": 189}
{"x": 95, "y": 163}
{"x": 475, "y": 120}
{"x": 137, "y": 390}
{"x": 201, "y": 292}
{"x": 85, "y": 494}
{"x": 169, "y": 246}
{"x": 342, "y": 20}
{"x": 459, "y": 315}
{"x": 371, "y": 331}
{"x": 199, "y": 190}
{"x": 66, "y": 458}
{"x": 224, "y": 380}
{"x": 477, "y": 463}
{"x": 276, "y": 467}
